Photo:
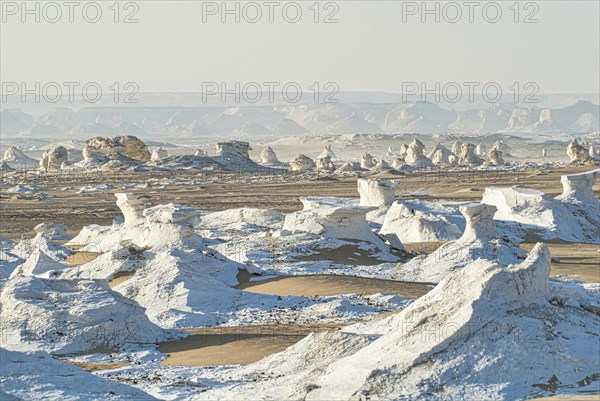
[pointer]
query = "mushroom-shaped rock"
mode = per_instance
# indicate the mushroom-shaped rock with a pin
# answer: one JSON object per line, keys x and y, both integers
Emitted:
{"x": 376, "y": 192}
{"x": 495, "y": 157}
{"x": 468, "y": 156}
{"x": 577, "y": 152}
{"x": 54, "y": 159}
{"x": 302, "y": 162}
{"x": 158, "y": 153}
{"x": 268, "y": 157}
{"x": 327, "y": 151}
{"x": 131, "y": 206}
{"x": 440, "y": 155}
{"x": 414, "y": 155}
{"x": 480, "y": 240}
{"x": 52, "y": 230}
{"x": 233, "y": 148}
{"x": 325, "y": 163}
{"x": 578, "y": 188}
{"x": 367, "y": 161}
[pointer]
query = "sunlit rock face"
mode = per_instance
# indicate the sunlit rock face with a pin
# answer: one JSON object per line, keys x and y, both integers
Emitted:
{"x": 268, "y": 157}
{"x": 367, "y": 161}
{"x": 113, "y": 147}
{"x": 468, "y": 156}
{"x": 54, "y": 159}
{"x": 233, "y": 147}
{"x": 414, "y": 155}
{"x": 577, "y": 152}
{"x": 495, "y": 157}
{"x": 376, "y": 192}
{"x": 302, "y": 163}
{"x": 158, "y": 153}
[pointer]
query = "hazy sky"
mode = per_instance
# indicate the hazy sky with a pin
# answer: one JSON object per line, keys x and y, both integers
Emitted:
{"x": 371, "y": 48}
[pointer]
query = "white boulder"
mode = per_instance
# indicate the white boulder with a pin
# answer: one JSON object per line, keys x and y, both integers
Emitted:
{"x": 367, "y": 161}
{"x": 158, "y": 153}
{"x": 577, "y": 152}
{"x": 327, "y": 152}
{"x": 468, "y": 156}
{"x": 53, "y": 159}
{"x": 414, "y": 155}
{"x": 52, "y": 230}
{"x": 376, "y": 192}
{"x": 301, "y": 162}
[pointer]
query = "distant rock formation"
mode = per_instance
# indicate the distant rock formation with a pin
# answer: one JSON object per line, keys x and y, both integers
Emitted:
{"x": 327, "y": 151}
{"x": 544, "y": 152}
{"x": 6, "y": 168}
{"x": 367, "y": 161}
{"x": 577, "y": 152}
{"x": 14, "y": 155}
{"x": 349, "y": 167}
{"x": 233, "y": 148}
{"x": 403, "y": 149}
{"x": 376, "y": 192}
{"x": 115, "y": 147}
{"x": 456, "y": 148}
{"x": 481, "y": 150}
{"x": 503, "y": 147}
{"x": 440, "y": 155}
{"x": 579, "y": 187}
{"x": 268, "y": 157}
{"x": 158, "y": 153}
{"x": 468, "y": 156}
{"x": 200, "y": 153}
{"x": 495, "y": 157}
{"x": 594, "y": 153}
{"x": 301, "y": 162}
{"x": 53, "y": 159}
{"x": 325, "y": 163}
{"x": 414, "y": 155}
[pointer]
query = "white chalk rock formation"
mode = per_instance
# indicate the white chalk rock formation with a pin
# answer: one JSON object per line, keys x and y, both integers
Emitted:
{"x": 426, "y": 351}
{"x": 159, "y": 153}
{"x": 301, "y": 162}
{"x": 594, "y": 153}
{"x": 578, "y": 188}
{"x": 40, "y": 242}
{"x": 200, "y": 153}
{"x": 495, "y": 157}
{"x": 325, "y": 163}
{"x": 390, "y": 152}
{"x": 233, "y": 148}
{"x": 268, "y": 157}
{"x": 56, "y": 379}
{"x": 114, "y": 147}
{"x": 132, "y": 208}
{"x": 481, "y": 150}
{"x": 503, "y": 147}
{"x": 54, "y": 159}
{"x": 64, "y": 316}
{"x": 241, "y": 219}
{"x": 403, "y": 149}
{"x": 412, "y": 226}
{"x": 381, "y": 166}
{"x": 440, "y": 155}
{"x": 339, "y": 222}
{"x": 14, "y": 155}
{"x": 468, "y": 156}
{"x": 349, "y": 167}
{"x": 457, "y": 148}
{"x": 544, "y": 152}
{"x": 577, "y": 152}
{"x": 51, "y": 230}
{"x": 39, "y": 264}
{"x": 367, "y": 161}
{"x": 414, "y": 155}
{"x": 565, "y": 218}
{"x": 480, "y": 240}
{"x": 376, "y": 192}
{"x": 327, "y": 152}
